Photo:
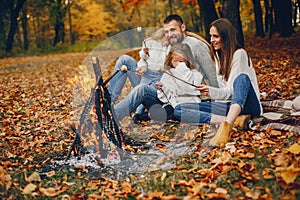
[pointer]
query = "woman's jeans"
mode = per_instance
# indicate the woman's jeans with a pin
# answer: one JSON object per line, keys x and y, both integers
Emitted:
{"x": 199, "y": 113}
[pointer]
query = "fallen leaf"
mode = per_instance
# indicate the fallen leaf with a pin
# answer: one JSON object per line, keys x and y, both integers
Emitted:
{"x": 35, "y": 176}
{"x": 253, "y": 194}
{"x": 288, "y": 174}
{"x": 163, "y": 176}
{"x": 29, "y": 188}
{"x": 221, "y": 190}
{"x": 52, "y": 192}
{"x": 126, "y": 186}
{"x": 295, "y": 148}
{"x": 50, "y": 174}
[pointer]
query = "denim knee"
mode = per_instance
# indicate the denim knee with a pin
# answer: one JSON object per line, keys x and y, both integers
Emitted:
{"x": 177, "y": 112}
{"x": 128, "y": 61}
{"x": 244, "y": 78}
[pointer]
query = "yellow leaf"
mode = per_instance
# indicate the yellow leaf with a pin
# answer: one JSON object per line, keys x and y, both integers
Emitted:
{"x": 221, "y": 190}
{"x": 29, "y": 188}
{"x": 50, "y": 174}
{"x": 289, "y": 174}
{"x": 295, "y": 148}
{"x": 163, "y": 176}
{"x": 34, "y": 177}
{"x": 52, "y": 192}
{"x": 126, "y": 186}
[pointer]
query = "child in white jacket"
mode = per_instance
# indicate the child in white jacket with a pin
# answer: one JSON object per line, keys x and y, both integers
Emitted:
{"x": 179, "y": 81}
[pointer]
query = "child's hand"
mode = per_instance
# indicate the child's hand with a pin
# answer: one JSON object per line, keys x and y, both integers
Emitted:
{"x": 159, "y": 85}
{"x": 203, "y": 89}
{"x": 140, "y": 71}
{"x": 146, "y": 50}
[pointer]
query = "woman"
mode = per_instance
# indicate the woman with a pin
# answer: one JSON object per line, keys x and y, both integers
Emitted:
{"x": 238, "y": 92}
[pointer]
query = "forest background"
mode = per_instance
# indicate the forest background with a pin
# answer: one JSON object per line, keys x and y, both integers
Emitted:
{"x": 42, "y": 26}
{"x": 36, "y": 98}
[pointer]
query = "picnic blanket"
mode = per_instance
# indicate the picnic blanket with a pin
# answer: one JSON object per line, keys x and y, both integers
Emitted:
{"x": 278, "y": 114}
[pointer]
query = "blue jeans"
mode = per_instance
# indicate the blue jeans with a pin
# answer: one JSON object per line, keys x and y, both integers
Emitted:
{"x": 118, "y": 81}
{"x": 141, "y": 94}
{"x": 199, "y": 113}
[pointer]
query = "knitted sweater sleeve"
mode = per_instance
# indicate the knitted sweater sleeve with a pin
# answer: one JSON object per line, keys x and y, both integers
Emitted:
{"x": 239, "y": 65}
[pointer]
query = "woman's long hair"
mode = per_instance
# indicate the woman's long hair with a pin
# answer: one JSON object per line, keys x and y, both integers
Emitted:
{"x": 224, "y": 56}
{"x": 182, "y": 50}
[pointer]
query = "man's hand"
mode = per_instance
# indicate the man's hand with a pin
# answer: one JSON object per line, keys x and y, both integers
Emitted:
{"x": 159, "y": 85}
{"x": 140, "y": 71}
{"x": 203, "y": 89}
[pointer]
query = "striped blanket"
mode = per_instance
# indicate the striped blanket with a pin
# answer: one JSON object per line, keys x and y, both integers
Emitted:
{"x": 278, "y": 114}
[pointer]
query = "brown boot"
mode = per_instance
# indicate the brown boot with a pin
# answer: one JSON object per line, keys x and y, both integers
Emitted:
{"x": 222, "y": 136}
{"x": 242, "y": 122}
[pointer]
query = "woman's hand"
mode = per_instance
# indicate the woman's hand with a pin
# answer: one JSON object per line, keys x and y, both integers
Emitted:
{"x": 203, "y": 89}
{"x": 140, "y": 71}
{"x": 159, "y": 85}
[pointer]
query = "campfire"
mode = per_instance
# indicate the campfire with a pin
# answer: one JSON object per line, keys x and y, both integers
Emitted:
{"x": 97, "y": 126}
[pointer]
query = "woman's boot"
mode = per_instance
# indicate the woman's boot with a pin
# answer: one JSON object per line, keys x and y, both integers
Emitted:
{"x": 242, "y": 122}
{"x": 222, "y": 136}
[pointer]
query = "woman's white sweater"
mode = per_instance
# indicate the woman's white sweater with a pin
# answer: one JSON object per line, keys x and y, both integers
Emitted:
{"x": 241, "y": 64}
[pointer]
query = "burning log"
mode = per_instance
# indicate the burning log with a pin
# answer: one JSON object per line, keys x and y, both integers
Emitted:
{"x": 105, "y": 130}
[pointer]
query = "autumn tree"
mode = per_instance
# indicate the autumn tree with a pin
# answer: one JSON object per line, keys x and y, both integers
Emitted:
{"x": 57, "y": 15}
{"x": 14, "y": 10}
{"x": 269, "y": 19}
{"x": 208, "y": 14}
{"x": 283, "y": 17}
{"x": 90, "y": 21}
{"x": 259, "y": 28}
{"x": 231, "y": 11}
{"x": 25, "y": 27}
{"x": 3, "y": 21}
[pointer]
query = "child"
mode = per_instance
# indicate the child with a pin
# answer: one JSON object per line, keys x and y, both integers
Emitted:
{"x": 179, "y": 81}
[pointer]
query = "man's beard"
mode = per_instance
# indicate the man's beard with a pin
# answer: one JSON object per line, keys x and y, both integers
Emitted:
{"x": 177, "y": 39}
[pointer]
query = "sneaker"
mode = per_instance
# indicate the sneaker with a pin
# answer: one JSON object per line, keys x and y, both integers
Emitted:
{"x": 139, "y": 117}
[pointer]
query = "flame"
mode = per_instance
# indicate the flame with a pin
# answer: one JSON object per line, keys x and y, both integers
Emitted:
{"x": 90, "y": 133}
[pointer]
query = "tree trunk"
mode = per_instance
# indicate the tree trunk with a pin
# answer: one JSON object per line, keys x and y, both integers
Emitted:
{"x": 24, "y": 27}
{"x": 208, "y": 14}
{"x": 14, "y": 13}
{"x": 170, "y": 6}
{"x": 70, "y": 22}
{"x": 284, "y": 13}
{"x": 287, "y": 26}
{"x": 258, "y": 19}
{"x": 59, "y": 27}
{"x": 231, "y": 11}
{"x": 296, "y": 12}
{"x": 269, "y": 22}
{"x": 276, "y": 8}
{"x": 2, "y": 32}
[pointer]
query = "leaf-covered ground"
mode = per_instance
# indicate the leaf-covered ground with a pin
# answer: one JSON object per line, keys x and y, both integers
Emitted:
{"x": 36, "y": 97}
